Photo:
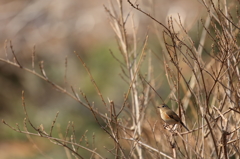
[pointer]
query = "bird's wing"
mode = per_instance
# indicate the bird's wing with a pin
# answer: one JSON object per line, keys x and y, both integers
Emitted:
{"x": 175, "y": 117}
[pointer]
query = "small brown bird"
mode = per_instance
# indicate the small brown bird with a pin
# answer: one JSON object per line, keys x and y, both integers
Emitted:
{"x": 169, "y": 116}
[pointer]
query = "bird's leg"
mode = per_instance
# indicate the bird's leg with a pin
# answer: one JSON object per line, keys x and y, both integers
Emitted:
{"x": 165, "y": 125}
{"x": 173, "y": 128}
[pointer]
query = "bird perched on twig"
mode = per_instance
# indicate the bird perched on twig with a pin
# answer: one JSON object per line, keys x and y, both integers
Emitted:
{"x": 169, "y": 116}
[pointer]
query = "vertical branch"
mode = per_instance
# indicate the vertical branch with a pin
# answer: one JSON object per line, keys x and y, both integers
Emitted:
{"x": 212, "y": 135}
{"x": 14, "y": 55}
{"x": 5, "y": 49}
{"x": 224, "y": 143}
{"x": 193, "y": 81}
{"x": 53, "y": 123}
{"x": 26, "y": 114}
{"x": 92, "y": 79}
{"x": 41, "y": 66}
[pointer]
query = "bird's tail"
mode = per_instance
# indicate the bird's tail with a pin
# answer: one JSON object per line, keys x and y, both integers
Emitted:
{"x": 184, "y": 126}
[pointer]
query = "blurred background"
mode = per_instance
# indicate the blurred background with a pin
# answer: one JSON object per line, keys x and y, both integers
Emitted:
{"x": 56, "y": 29}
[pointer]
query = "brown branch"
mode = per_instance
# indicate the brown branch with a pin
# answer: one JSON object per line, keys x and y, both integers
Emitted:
{"x": 92, "y": 79}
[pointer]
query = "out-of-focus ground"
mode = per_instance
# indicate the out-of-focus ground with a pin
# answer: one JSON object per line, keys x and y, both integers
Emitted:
{"x": 57, "y": 29}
